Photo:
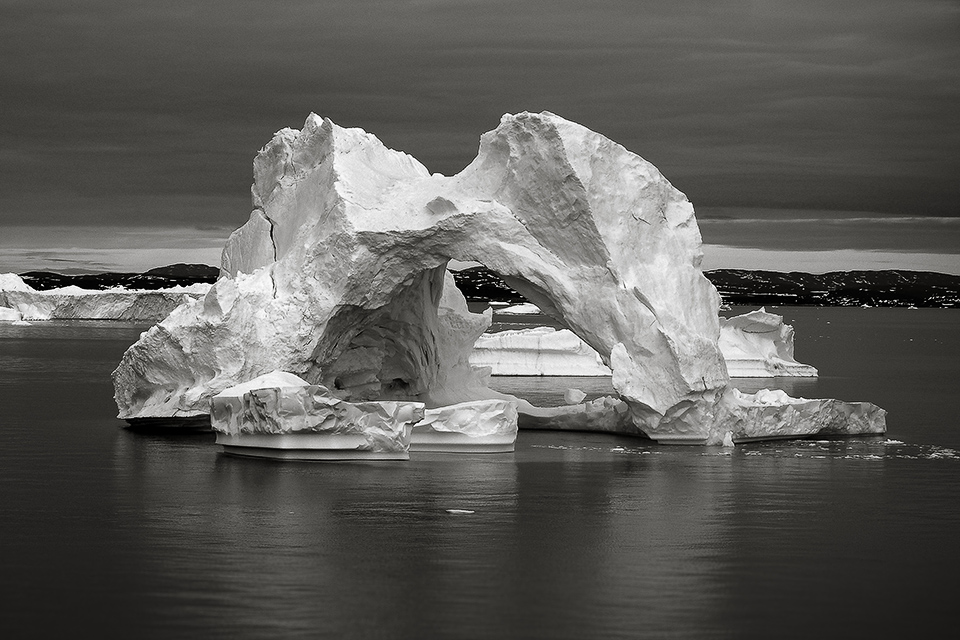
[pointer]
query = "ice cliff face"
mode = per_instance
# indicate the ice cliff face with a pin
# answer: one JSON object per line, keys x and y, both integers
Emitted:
{"x": 759, "y": 344}
{"x": 74, "y": 303}
{"x": 339, "y": 276}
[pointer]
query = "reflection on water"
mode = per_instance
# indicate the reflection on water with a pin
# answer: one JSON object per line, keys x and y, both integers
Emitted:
{"x": 575, "y": 535}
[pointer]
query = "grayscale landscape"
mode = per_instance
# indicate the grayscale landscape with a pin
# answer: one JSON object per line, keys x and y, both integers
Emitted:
{"x": 479, "y": 319}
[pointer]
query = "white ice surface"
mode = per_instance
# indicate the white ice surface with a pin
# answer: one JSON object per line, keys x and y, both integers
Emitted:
{"x": 754, "y": 345}
{"x": 75, "y": 303}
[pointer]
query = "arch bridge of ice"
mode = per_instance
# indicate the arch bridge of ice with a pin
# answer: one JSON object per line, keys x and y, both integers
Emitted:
{"x": 339, "y": 277}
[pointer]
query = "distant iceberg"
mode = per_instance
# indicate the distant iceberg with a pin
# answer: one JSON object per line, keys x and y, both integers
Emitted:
{"x": 19, "y": 301}
{"x": 524, "y": 308}
{"x": 754, "y": 345}
{"x": 539, "y": 351}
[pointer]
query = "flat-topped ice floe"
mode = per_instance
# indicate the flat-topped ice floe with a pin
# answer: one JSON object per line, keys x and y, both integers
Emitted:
{"x": 754, "y": 345}
{"x": 539, "y": 351}
{"x": 280, "y": 415}
{"x": 74, "y": 303}
{"x": 524, "y": 308}
{"x": 339, "y": 277}
{"x": 481, "y": 426}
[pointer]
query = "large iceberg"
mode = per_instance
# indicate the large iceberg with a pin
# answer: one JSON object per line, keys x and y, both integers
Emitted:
{"x": 340, "y": 277}
{"x": 757, "y": 344}
{"x": 74, "y": 303}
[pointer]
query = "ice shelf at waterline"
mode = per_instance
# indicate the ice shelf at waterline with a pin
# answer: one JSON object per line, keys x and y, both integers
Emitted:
{"x": 20, "y": 301}
{"x": 280, "y": 415}
{"x": 339, "y": 277}
{"x": 757, "y": 344}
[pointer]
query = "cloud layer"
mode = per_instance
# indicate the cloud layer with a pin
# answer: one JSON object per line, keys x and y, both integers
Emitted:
{"x": 805, "y": 104}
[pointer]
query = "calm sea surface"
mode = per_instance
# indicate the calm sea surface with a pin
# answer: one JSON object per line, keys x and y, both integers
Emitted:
{"x": 114, "y": 533}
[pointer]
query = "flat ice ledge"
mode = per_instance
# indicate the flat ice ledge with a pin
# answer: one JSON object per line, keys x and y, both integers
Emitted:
{"x": 769, "y": 414}
{"x": 539, "y": 351}
{"x": 757, "y": 344}
{"x": 481, "y": 426}
{"x": 730, "y": 416}
{"x": 280, "y": 415}
{"x": 305, "y": 446}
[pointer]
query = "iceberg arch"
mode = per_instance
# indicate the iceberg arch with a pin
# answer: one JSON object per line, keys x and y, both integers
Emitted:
{"x": 339, "y": 276}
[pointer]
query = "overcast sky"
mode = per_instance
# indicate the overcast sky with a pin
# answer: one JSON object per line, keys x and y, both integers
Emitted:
{"x": 128, "y": 112}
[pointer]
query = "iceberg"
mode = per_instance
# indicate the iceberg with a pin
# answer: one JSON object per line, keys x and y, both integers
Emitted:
{"x": 339, "y": 277}
{"x": 538, "y": 351}
{"x": 524, "y": 308}
{"x": 280, "y": 415}
{"x": 74, "y": 303}
{"x": 757, "y": 344}
{"x": 481, "y": 426}
{"x": 10, "y": 315}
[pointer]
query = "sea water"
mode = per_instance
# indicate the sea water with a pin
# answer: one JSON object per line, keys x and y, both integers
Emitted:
{"x": 117, "y": 533}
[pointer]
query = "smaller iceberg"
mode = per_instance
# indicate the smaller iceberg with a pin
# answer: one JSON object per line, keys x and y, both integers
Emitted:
{"x": 74, "y": 303}
{"x": 760, "y": 345}
{"x": 522, "y": 309}
{"x": 480, "y": 426}
{"x": 10, "y": 315}
{"x": 280, "y": 415}
{"x": 757, "y": 344}
{"x": 539, "y": 351}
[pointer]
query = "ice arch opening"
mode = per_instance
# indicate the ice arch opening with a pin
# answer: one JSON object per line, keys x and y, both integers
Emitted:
{"x": 338, "y": 276}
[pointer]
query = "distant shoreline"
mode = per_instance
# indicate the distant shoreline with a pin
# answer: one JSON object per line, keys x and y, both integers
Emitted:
{"x": 882, "y": 288}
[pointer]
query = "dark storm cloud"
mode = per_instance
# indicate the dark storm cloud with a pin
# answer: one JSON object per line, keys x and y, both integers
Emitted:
{"x": 807, "y": 104}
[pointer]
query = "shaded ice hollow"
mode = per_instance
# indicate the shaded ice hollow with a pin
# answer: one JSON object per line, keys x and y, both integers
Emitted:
{"x": 757, "y": 344}
{"x": 339, "y": 277}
